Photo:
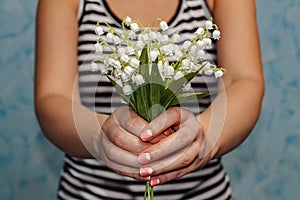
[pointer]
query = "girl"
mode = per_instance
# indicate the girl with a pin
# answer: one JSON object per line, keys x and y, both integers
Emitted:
{"x": 74, "y": 106}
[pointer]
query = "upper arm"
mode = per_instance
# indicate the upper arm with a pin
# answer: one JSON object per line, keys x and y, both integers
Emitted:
{"x": 56, "y": 48}
{"x": 239, "y": 48}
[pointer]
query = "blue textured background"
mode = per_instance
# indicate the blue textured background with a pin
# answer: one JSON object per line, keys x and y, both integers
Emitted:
{"x": 266, "y": 166}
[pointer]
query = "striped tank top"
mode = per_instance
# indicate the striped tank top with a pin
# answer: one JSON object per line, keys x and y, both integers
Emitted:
{"x": 89, "y": 178}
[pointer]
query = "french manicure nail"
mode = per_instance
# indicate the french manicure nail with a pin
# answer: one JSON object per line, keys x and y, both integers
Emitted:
{"x": 147, "y": 178}
{"x": 147, "y": 134}
{"x": 154, "y": 181}
{"x": 146, "y": 171}
{"x": 144, "y": 157}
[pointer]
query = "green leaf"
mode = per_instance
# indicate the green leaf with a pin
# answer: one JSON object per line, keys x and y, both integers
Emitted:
{"x": 182, "y": 98}
{"x": 142, "y": 103}
{"x": 119, "y": 90}
{"x": 175, "y": 87}
{"x": 144, "y": 66}
{"x": 156, "y": 89}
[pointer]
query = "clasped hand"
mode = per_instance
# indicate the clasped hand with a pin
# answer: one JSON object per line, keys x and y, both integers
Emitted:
{"x": 162, "y": 150}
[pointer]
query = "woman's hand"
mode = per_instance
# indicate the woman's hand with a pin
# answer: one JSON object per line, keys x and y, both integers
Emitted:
{"x": 119, "y": 143}
{"x": 177, "y": 154}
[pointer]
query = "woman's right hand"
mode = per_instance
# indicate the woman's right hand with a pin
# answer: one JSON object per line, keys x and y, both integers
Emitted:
{"x": 119, "y": 143}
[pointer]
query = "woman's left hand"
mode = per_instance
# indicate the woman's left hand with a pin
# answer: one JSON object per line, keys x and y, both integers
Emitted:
{"x": 177, "y": 154}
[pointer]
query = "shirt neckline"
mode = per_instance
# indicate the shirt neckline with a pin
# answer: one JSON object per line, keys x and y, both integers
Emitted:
{"x": 119, "y": 21}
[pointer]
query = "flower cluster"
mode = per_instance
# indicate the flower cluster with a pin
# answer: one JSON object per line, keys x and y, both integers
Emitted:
{"x": 150, "y": 68}
{"x": 173, "y": 60}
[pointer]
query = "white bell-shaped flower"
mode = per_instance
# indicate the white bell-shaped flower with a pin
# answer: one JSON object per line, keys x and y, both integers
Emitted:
{"x": 200, "y": 31}
{"x": 185, "y": 64}
{"x": 218, "y": 74}
{"x": 128, "y": 70}
{"x": 207, "y": 42}
{"x": 200, "y": 44}
{"x": 208, "y": 72}
{"x": 168, "y": 71}
{"x": 125, "y": 77}
{"x": 138, "y": 79}
{"x": 124, "y": 58}
{"x": 134, "y": 62}
{"x": 129, "y": 50}
{"x": 175, "y": 38}
{"x": 127, "y": 21}
{"x": 94, "y": 67}
{"x": 209, "y": 25}
{"x": 153, "y": 55}
{"x": 163, "y": 25}
{"x": 134, "y": 27}
{"x": 98, "y": 48}
{"x": 186, "y": 44}
{"x": 178, "y": 75}
{"x": 127, "y": 90}
{"x": 216, "y": 34}
{"x": 109, "y": 37}
{"x": 104, "y": 69}
{"x": 116, "y": 40}
{"x": 99, "y": 30}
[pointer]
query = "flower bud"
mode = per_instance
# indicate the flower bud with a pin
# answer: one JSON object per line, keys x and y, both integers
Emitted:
{"x": 98, "y": 48}
{"x": 127, "y": 21}
{"x": 94, "y": 67}
{"x": 218, "y": 74}
{"x": 209, "y": 25}
{"x": 116, "y": 39}
{"x": 134, "y": 27}
{"x": 109, "y": 37}
{"x": 99, "y": 30}
{"x": 200, "y": 31}
{"x": 163, "y": 25}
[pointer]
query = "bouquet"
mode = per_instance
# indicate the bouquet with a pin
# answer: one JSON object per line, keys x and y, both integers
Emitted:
{"x": 150, "y": 70}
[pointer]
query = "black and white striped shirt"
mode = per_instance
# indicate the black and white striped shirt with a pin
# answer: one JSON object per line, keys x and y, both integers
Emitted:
{"x": 89, "y": 178}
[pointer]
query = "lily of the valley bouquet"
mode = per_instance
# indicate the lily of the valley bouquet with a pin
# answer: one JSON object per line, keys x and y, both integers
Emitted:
{"x": 149, "y": 69}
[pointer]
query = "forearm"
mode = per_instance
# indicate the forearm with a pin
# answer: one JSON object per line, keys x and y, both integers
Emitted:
{"x": 68, "y": 125}
{"x": 232, "y": 115}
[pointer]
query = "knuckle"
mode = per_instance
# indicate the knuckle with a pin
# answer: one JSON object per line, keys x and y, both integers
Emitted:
{"x": 186, "y": 160}
{"x": 118, "y": 140}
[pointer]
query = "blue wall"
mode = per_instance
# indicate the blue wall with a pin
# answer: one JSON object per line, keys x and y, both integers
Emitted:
{"x": 266, "y": 166}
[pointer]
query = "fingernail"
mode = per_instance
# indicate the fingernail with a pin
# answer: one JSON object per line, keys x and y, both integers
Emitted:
{"x": 146, "y": 171}
{"x": 147, "y": 134}
{"x": 147, "y": 178}
{"x": 154, "y": 181}
{"x": 144, "y": 157}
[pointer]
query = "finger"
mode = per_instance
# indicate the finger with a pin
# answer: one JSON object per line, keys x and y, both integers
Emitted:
{"x": 181, "y": 159}
{"x": 130, "y": 121}
{"x": 175, "y": 174}
{"x": 118, "y": 167}
{"x": 125, "y": 140}
{"x": 118, "y": 155}
{"x": 171, "y": 117}
{"x": 171, "y": 144}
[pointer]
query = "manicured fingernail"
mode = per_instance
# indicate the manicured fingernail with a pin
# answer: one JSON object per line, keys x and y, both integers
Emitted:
{"x": 144, "y": 157}
{"x": 154, "y": 181}
{"x": 147, "y": 134}
{"x": 146, "y": 171}
{"x": 147, "y": 178}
